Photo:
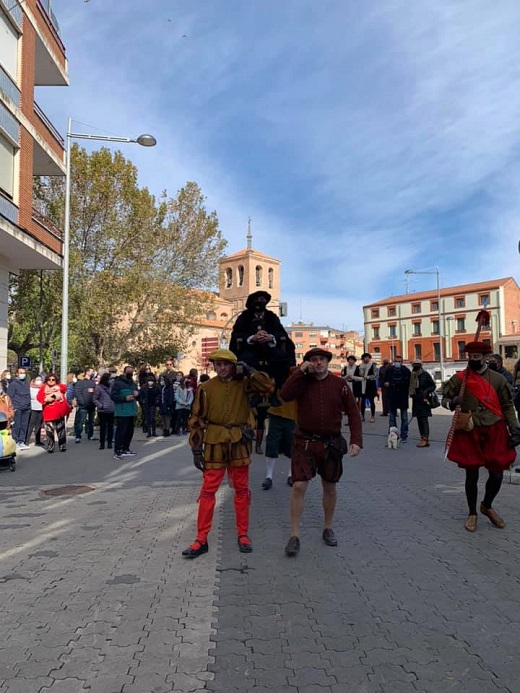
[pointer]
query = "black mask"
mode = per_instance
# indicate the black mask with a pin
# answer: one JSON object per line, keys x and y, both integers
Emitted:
{"x": 475, "y": 365}
{"x": 129, "y": 376}
{"x": 416, "y": 368}
{"x": 493, "y": 365}
{"x": 259, "y": 307}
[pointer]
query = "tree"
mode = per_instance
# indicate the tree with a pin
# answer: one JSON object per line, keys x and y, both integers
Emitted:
{"x": 135, "y": 263}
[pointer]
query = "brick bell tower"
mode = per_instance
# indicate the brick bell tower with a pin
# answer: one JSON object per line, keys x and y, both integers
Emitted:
{"x": 247, "y": 271}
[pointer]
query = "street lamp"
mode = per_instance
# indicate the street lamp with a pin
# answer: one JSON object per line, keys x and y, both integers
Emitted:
{"x": 435, "y": 271}
{"x": 144, "y": 141}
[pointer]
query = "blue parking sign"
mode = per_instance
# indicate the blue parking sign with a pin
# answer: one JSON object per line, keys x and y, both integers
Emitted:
{"x": 24, "y": 362}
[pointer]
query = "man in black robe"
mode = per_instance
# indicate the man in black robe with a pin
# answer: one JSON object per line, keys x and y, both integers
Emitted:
{"x": 260, "y": 340}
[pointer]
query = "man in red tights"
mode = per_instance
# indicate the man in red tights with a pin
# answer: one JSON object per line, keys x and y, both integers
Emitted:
{"x": 221, "y": 436}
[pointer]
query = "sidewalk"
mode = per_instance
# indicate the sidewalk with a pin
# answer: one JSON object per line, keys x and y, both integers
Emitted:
{"x": 96, "y": 596}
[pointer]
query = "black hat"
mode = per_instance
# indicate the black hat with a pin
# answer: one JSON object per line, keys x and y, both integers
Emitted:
{"x": 251, "y": 298}
{"x": 366, "y": 354}
{"x": 317, "y": 352}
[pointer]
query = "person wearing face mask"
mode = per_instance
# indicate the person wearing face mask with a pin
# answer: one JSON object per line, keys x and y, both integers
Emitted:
{"x": 421, "y": 385}
{"x": 489, "y": 436}
{"x": 105, "y": 410}
{"x": 36, "y": 419}
{"x": 496, "y": 364}
{"x": 149, "y": 398}
{"x": 397, "y": 382}
{"x": 5, "y": 379}
{"x": 259, "y": 339}
{"x": 20, "y": 396}
{"x": 124, "y": 393}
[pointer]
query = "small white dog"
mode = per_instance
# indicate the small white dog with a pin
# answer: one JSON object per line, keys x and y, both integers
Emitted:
{"x": 394, "y": 439}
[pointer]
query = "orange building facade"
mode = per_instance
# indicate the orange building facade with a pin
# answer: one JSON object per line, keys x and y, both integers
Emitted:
{"x": 307, "y": 335}
{"x": 32, "y": 55}
{"x": 413, "y": 325}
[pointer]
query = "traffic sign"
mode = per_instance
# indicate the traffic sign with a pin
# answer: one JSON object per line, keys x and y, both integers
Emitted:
{"x": 24, "y": 362}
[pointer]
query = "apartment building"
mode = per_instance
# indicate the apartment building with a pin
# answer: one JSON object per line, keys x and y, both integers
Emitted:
{"x": 307, "y": 335}
{"x": 32, "y": 55}
{"x": 414, "y": 324}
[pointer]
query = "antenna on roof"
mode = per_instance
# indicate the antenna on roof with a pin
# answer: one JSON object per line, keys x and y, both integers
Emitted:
{"x": 249, "y": 235}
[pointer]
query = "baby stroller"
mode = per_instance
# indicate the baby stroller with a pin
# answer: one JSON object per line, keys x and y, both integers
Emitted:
{"x": 7, "y": 445}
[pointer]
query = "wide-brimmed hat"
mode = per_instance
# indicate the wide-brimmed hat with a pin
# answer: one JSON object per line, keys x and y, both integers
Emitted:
{"x": 417, "y": 361}
{"x": 223, "y": 355}
{"x": 251, "y": 298}
{"x": 478, "y": 348}
{"x": 316, "y": 351}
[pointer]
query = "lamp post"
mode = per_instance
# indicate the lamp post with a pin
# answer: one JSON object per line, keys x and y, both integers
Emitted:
{"x": 435, "y": 271}
{"x": 144, "y": 141}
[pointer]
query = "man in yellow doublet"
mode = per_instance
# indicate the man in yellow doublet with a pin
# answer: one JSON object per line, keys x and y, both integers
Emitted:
{"x": 221, "y": 434}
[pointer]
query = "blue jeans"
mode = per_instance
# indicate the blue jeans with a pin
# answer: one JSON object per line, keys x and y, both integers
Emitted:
{"x": 84, "y": 417}
{"x": 392, "y": 413}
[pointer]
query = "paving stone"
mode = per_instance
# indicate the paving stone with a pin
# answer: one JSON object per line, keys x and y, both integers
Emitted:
{"x": 23, "y": 685}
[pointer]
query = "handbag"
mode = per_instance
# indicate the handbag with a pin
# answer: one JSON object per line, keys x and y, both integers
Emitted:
{"x": 433, "y": 400}
{"x": 464, "y": 421}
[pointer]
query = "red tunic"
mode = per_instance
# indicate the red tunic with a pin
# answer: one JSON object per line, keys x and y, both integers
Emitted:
{"x": 321, "y": 405}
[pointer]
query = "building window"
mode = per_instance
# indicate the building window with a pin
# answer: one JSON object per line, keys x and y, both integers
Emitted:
{"x": 393, "y": 351}
{"x": 270, "y": 277}
{"x": 377, "y": 350}
{"x": 375, "y": 313}
{"x": 460, "y": 302}
{"x": 240, "y": 275}
{"x": 8, "y": 46}
{"x": 258, "y": 275}
{"x": 460, "y": 348}
{"x": 436, "y": 351}
{"x": 298, "y": 334}
{"x": 375, "y": 334}
{"x": 435, "y": 327}
{"x": 416, "y": 308}
{"x": 391, "y": 311}
{"x": 418, "y": 351}
{"x": 313, "y": 334}
{"x": 434, "y": 305}
{"x": 223, "y": 316}
{"x": 7, "y": 153}
{"x": 313, "y": 344}
{"x": 211, "y": 315}
{"x": 392, "y": 330}
{"x": 229, "y": 278}
{"x": 417, "y": 329}
{"x": 461, "y": 325}
{"x": 483, "y": 299}
{"x": 299, "y": 345}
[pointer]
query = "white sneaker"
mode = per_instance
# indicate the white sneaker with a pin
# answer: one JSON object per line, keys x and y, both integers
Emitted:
{"x": 22, "y": 446}
{"x": 128, "y": 453}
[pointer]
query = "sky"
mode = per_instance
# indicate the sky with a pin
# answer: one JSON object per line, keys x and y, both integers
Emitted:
{"x": 362, "y": 139}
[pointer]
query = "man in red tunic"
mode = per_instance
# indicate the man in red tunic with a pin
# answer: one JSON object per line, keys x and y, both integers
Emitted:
{"x": 318, "y": 446}
{"x": 489, "y": 438}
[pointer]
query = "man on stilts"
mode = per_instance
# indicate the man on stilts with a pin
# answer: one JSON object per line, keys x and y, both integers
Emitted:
{"x": 221, "y": 436}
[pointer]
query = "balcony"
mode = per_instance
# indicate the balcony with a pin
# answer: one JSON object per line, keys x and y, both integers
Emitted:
{"x": 46, "y": 224}
{"x": 8, "y": 209}
{"x": 48, "y": 124}
{"x": 9, "y": 88}
{"x": 50, "y": 63}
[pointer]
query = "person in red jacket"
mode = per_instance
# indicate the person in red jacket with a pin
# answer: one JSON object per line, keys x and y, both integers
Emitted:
{"x": 318, "y": 446}
{"x": 55, "y": 410}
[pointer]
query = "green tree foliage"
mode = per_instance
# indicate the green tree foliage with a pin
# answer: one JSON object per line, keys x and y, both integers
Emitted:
{"x": 137, "y": 264}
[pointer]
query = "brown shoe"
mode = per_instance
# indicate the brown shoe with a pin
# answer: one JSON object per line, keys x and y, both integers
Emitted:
{"x": 493, "y": 516}
{"x": 423, "y": 443}
{"x": 471, "y": 523}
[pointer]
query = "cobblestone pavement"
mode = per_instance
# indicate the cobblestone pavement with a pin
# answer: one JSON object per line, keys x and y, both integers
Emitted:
{"x": 96, "y": 596}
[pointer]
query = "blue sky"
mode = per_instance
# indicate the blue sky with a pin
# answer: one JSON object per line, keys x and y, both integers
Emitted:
{"x": 361, "y": 138}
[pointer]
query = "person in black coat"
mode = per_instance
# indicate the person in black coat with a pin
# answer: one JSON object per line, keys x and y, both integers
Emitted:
{"x": 421, "y": 385}
{"x": 149, "y": 398}
{"x": 397, "y": 382}
{"x": 166, "y": 404}
{"x": 259, "y": 339}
